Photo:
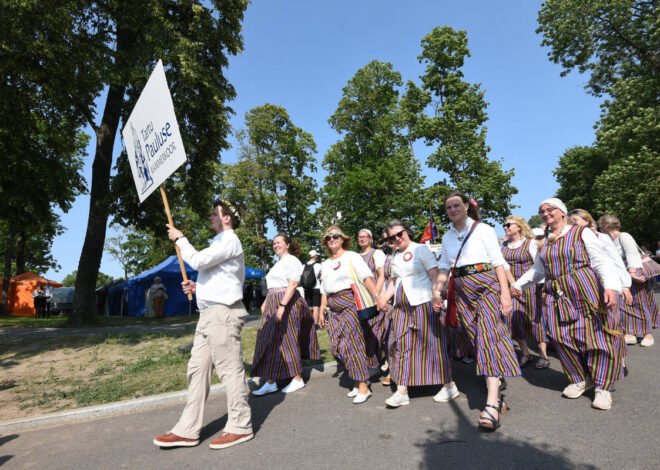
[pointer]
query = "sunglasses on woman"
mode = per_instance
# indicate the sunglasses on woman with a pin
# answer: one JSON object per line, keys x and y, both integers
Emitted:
{"x": 507, "y": 225}
{"x": 333, "y": 236}
{"x": 391, "y": 238}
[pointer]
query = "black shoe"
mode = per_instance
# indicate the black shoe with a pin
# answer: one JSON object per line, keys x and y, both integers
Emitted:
{"x": 625, "y": 371}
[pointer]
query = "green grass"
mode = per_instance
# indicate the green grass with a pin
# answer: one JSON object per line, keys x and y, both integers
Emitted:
{"x": 109, "y": 368}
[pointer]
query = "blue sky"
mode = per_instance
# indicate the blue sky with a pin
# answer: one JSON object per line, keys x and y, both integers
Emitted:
{"x": 300, "y": 54}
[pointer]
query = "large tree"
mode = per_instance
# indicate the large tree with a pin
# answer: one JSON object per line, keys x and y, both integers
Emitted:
{"x": 95, "y": 58}
{"x": 272, "y": 179}
{"x": 455, "y": 123}
{"x": 373, "y": 175}
{"x": 616, "y": 43}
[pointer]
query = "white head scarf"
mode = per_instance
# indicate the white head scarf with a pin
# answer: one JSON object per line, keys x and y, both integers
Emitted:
{"x": 556, "y": 202}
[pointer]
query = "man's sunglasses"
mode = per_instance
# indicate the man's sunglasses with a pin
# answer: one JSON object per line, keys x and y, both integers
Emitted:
{"x": 333, "y": 236}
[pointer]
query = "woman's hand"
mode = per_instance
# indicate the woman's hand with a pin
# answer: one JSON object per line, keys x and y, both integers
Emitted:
{"x": 322, "y": 322}
{"x": 505, "y": 304}
{"x": 436, "y": 302}
{"x": 279, "y": 313}
{"x": 627, "y": 296}
{"x": 635, "y": 277}
{"x": 517, "y": 293}
{"x": 609, "y": 297}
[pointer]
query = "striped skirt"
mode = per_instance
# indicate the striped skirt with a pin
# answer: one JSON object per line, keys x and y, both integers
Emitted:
{"x": 353, "y": 345}
{"x": 380, "y": 327}
{"x": 578, "y": 333}
{"x": 527, "y": 317}
{"x": 643, "y": 315}
{"x": 478, "y": 308}
{"x": 307, "y": 339}
{"x": 277, "y": 353}
{"x": 418, "y": 345}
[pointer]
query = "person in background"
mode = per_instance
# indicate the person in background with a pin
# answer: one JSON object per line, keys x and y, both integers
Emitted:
{"x": 527, "y": 323}
{"x": 217, "y": 341}
{"x": 313, "y": 294}
{"x": 308, "y": 338}
{"x": 48, "y": 297}
{"x": 39, "y": 301}
{"x": 158, "y": 294}
{"x": 643, "y": 315}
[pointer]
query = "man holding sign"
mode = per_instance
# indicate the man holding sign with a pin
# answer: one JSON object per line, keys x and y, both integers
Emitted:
{"x": 217, "y": 342}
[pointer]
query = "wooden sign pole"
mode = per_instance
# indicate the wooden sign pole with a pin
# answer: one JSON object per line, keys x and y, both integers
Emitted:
{"x": 178, "y": 252}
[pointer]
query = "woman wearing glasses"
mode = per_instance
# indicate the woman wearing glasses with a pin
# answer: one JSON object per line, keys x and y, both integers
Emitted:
{"x": 519, "y": 251}
{"x": 642, "y": 315}
{"x": 375, "y": 259}
{"x": 347, "y": 336}
{"x": 418, "y": 340}
{"x": 580, "y": 285}
{"x": 277, "y": 354}
{"x": 481, "y": 298}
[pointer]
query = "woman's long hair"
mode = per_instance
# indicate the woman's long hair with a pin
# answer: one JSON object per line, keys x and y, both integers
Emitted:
{"x": 473, "y": 207}
{"x": 294, "y": 246}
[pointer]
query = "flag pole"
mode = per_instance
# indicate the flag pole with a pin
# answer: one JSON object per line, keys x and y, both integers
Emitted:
{"x": 178, "y": 251}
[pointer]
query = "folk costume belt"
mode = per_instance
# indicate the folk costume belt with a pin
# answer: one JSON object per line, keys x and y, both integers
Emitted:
{"x": 472, "y": 269}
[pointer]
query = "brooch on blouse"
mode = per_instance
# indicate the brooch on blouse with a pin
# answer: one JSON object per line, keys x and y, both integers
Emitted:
{"x": 337, "y": 266}
{"x": 407, "y": 256}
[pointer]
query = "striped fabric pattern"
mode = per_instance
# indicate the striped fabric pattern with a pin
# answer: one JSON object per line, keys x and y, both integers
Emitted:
{"x": 277, "y": 353}
{"x": 308, "y": 341}
{"x": 418, "y": 345}
{"x": 480, "y": 322}
{"x": 643, "y": 315}
{"x": 379, "y": 324}
{"x": 350, "y": 343}
{"x": 572, "y": 297}
{"x": 527, "y": 317}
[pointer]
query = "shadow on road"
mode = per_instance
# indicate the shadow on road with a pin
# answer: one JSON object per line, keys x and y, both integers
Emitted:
{"x": 466, "y": 447}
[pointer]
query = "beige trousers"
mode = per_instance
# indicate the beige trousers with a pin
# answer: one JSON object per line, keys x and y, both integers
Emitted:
{"x": 217, "y": 343}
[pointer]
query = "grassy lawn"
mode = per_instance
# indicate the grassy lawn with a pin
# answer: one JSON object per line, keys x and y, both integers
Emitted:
{"x": 44, "y": 375}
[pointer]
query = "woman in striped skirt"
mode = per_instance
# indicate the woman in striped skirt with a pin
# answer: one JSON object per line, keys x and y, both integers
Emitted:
{"x": 375, "y": 259}
{"x": 584, "y": 219}
{"x": 642, "y": 316}
{"x": 350, "y": 342}
{"x": 519, "y": 252}
{"x": 481, "y": 298}
{"x": 418, "y": 339}
{"x": 575, "y": 303}
{"x": 277, "y": 353}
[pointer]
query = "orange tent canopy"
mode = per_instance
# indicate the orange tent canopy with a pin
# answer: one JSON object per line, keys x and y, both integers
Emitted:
{"x": 21, "y": 303}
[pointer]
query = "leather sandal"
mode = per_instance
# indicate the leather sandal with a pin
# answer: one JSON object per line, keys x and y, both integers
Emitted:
{"x": 493, "y": 423}
{"x": 525, "y": 360}
{"x": 542, "y": 363}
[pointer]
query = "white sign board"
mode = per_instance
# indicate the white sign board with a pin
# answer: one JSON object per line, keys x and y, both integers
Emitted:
{"x": 151, "y": 136}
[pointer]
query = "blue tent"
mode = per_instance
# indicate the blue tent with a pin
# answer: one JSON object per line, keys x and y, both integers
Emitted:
{"x": 169, "y": 272}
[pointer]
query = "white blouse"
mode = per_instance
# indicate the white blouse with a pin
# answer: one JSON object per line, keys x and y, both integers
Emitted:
{"x": 599, "y": 261}
{"x": 335, "y": 275}
{"x": 532, "y": 249}
{"x": 288, "y": 268}
{"x": 379, "y": 259}
{"x": 612, "y": 253}
{"x": 410, "y": 269}
{"x": 481, "y": 247}
{"x": 627, "y": 247}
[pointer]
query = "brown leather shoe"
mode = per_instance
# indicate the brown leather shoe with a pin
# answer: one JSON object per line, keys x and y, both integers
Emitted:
{"x": 172, "y": 440}
{"x": 228, "y": 439}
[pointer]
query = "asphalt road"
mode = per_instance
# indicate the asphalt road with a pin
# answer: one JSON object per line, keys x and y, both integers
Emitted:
{"x": 319, "y": 427}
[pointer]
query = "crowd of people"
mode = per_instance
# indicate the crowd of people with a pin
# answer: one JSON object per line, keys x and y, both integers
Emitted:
{"x": 393, "y": 310}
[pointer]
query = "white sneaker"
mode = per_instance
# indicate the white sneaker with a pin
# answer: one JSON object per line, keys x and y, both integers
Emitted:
{"x": 603, "y": 400}
{"x": 647, "y": 342}
{"x": 397, "y": 400}
{"x": 361, "y": 397}
{"x": 265, "y": 389}
{"x": 385, "y": 366}
{"x": 356, "y": 390}
{"x": 576, "y": 390}
{"x": 294, "y": 386}
{"x": 631, "y": 339}
{"x": 446, "y": 394}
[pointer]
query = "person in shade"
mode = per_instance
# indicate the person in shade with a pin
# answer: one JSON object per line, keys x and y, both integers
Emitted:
{"x": 217, "y": 341}
{"x": 375, "y": 259}
{"x": 519, "y": 251}
{"x": 308, "y": 339}
{"x": 418, "y": 339}
{"x": 580, "y": 285}
{"x": 584, "y": 218}
{"x": 481, "y": 297}
{"x": 388, "y": 247}
{"x": 643, "y": 315}
{"x": 277, "y": 351}
{"x": 350, "y": 342}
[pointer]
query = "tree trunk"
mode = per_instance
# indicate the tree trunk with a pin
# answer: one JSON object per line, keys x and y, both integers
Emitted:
{"x": 84, "y": 300}
{"x": 20, "y": 254}
{"x": 6, "y": 276}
